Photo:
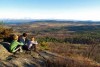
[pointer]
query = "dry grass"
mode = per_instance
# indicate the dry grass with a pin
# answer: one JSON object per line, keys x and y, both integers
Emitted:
{"x": 72, "y": 51}
{"x": 58, "y": 62}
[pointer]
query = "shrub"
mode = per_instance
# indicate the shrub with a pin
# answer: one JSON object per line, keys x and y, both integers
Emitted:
{"x": 44, "y": 46}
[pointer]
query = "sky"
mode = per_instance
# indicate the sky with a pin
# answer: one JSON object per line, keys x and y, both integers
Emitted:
{"x": 50, "y": 9}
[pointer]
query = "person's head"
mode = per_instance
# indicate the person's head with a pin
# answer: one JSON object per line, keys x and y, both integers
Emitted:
{"x": 32, "y": 39}
{"x": 15, "y": 37}
{"x": 25, "y": 34}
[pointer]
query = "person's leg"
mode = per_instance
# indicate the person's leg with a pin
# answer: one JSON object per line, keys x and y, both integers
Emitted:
{"x": 25, "y": 47}
{"x": 18, "y": 48}
{"x": 35, "y": 48}
{"x": 29, "y": 47}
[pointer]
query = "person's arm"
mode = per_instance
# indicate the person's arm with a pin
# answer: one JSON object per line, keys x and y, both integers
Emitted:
{"x": 20, "y": 43}
{"x": 35, "y": 42}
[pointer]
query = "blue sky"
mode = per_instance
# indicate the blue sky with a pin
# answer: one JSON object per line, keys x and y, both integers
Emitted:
{"x": 50, "y": 9}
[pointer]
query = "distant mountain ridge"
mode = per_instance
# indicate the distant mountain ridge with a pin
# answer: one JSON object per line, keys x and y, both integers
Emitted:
{"x": 21, "y": 21}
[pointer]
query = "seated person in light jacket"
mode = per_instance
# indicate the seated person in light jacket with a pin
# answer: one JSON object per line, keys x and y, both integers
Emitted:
{"x": 32, "y": 44}
{"x": 15, "y": 45}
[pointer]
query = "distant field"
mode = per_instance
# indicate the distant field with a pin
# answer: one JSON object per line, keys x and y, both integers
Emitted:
{"x": 41, "y": 26}
{"x": 46, "y": 27}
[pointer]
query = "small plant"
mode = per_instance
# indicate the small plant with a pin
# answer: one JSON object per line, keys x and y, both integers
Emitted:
{"x": 44, "y": 45}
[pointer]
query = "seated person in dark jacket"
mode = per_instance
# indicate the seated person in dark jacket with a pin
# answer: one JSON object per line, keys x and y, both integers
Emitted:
{"x": 23, "y": 39}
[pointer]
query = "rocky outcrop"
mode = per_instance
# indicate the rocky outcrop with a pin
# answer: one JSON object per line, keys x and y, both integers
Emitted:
{"x": 37, "y": 59}
{"x": 4, "y": 52}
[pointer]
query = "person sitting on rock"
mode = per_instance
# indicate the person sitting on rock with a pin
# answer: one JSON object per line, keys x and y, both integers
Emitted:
{"x": 15, "y": 45}
{"x": 32, "y": 44}
{"x": 23, "y": 38}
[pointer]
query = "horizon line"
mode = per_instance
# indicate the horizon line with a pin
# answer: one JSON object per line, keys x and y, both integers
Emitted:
{"x": 45, "y": 19}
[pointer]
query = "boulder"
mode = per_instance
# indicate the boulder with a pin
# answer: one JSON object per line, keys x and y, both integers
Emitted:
{"x": 4, "y": 53}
